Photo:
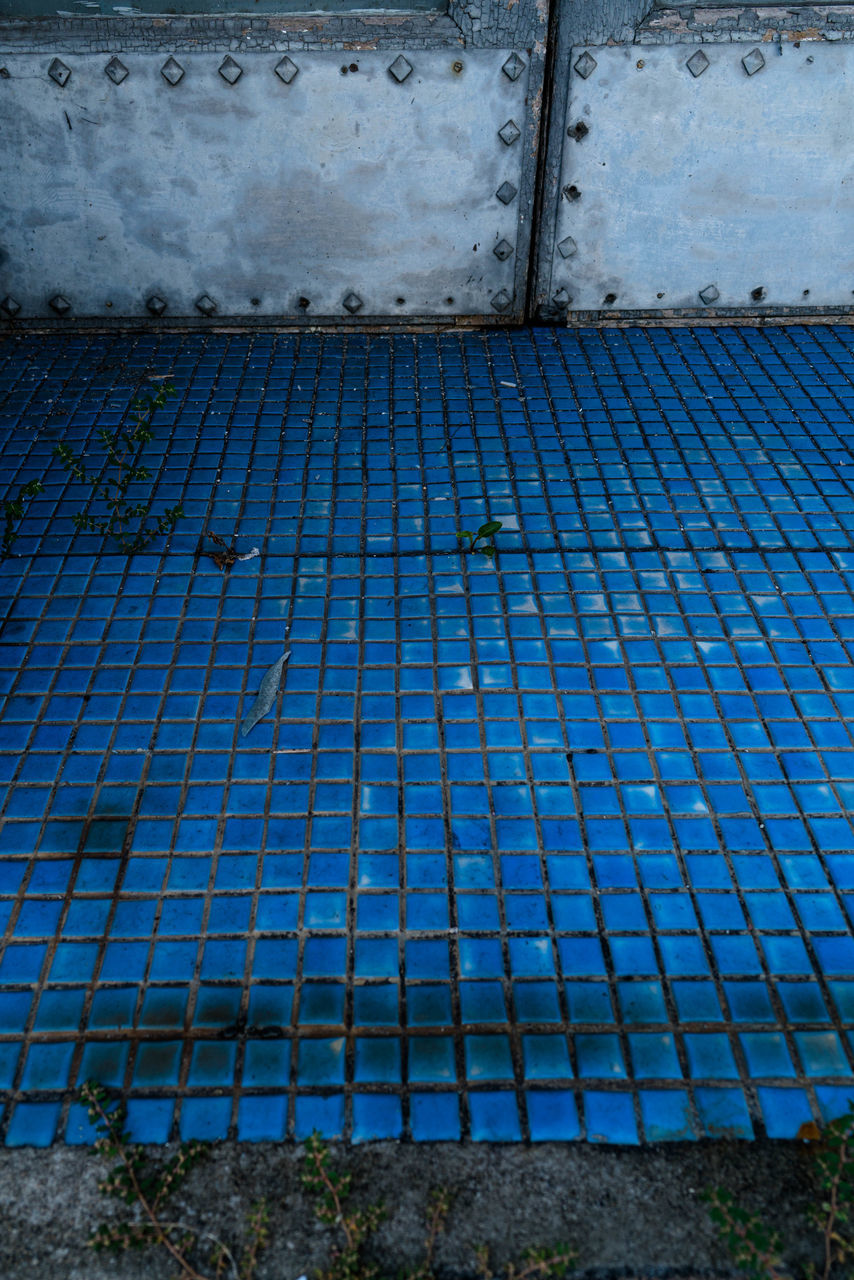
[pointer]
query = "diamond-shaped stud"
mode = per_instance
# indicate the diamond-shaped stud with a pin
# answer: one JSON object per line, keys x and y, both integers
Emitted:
{"x": 206, "y": 305}
{"x": 502, "y": 250}
{"x": 230, "y": 70}
{"x": 117, "y": 71}
{"x": 501, "y": 300}
{"x": 353, "y": 303}
{"x": 697, "y": 63}
{"x": 59, "y": 304}
{"x": 567, "y": 247}
{"x": 286, "y": 70}
{"x": 753, "y": 62}
{"x": 172, "y": 71}
{"x": 509, "y": 132}
{"x": 155, "y": 304}
{"x": 709, "y": 294}
{"x": 585, "y": 65}
{"x": 59, "y": 72}
{"x": 10, "y": 306}
{"x": 561, "y": 298}
{"x": 400, "y": 69}
{"x": 513, "y": 67}
{"x": 506, "y": 193}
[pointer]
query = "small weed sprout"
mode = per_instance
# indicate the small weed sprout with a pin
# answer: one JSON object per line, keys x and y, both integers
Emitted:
{"x": 331, "y": 1189}
{"x": 13, "y": 510}
{"x": 438, "y": 1208}
{"x": 752, "y": 1247}
{"x": 536, "y": 1264}
{"x": 123, "y": 468}
{"x": 146, "y": 1187}
{"x": 756, "y": 1249}
{"x": 832, "y": 1216}
{"x": 486, "y": 531}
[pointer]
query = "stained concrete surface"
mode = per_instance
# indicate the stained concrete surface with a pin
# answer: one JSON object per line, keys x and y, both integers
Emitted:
{"x": 627, "y": 1211}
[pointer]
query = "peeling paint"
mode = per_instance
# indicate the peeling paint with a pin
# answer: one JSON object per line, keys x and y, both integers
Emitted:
{"x": 671, "y": 21}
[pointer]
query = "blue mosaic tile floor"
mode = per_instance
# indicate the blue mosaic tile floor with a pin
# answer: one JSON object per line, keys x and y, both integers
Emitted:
{"x": 555, "y": 847}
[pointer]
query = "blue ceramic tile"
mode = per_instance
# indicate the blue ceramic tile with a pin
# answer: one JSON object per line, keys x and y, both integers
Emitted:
{"x": 322, "y": 1114}
{"x": 434, "y": 1117}
{"x": 205, "y": 1118}
{"x": 609, "y": 1117}
{"x": 261, "y": 1119}
{"x": 666, "y": 1115}
{"x": 783, "y": 1110}
{"x": 494, "y": 1117}
{"x": 702, "y": 671}
{"x": 552, "y": 1115}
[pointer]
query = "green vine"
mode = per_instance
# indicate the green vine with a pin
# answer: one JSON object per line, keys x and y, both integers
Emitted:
{"x": 122, "y": 468}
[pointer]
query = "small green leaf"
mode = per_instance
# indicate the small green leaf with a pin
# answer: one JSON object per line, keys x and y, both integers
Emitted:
{"x": 491, "y": 526}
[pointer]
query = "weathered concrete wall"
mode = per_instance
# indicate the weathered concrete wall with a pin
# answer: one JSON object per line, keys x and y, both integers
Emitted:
{"x": 724, "y": 197}
{"x": 675, "y": 175}
{"x": 187, "y": 183}
{"x": 422, "y": 208}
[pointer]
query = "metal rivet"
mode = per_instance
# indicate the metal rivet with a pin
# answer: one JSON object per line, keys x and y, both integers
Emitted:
{"x": 513, "y": 67}
{"x": 4, "y": 73}
{"x": 230, "y": 70}
{"x": 206, "y": 305}
{"x": 572, "y": 193}
{"x": 502, "y": 250}
{"x": 501, "y": 301}
{"x": 172, "y": 71}
{"x": 509, "y": 132}
{"x": 400, "y": 69}
{"x": 117, "y": 71}
{"x": 506, "y": 193}
{"x": 457, "y": 68}
{"x": 697, "y": 63}
{"x": 59, "y": 72}
{"x": 155, "y": 304}
{"x": 709, "y": 295}
{"x": 561, "y": 298}
{"x": 567, "y": 247}
{"x": 757, "y": 294}
{"x": 286, "y": 70}
{"x": 353, "y": 303}
{"x": 59, "y": 304}
{"x": 578, "y": 131}
{"x": 585, "y": 65}
{"x": 609, "y": 299}
{"x": 303, "y": 303}
{"x": 753, "y": 62}
{"x": 10, "y": 305}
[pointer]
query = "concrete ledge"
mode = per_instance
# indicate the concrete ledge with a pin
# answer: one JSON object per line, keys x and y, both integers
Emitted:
{"x": 628, "y": 1211}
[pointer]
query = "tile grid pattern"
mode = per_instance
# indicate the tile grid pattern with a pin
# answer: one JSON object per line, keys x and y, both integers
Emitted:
{"x": 555, "y": 848}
